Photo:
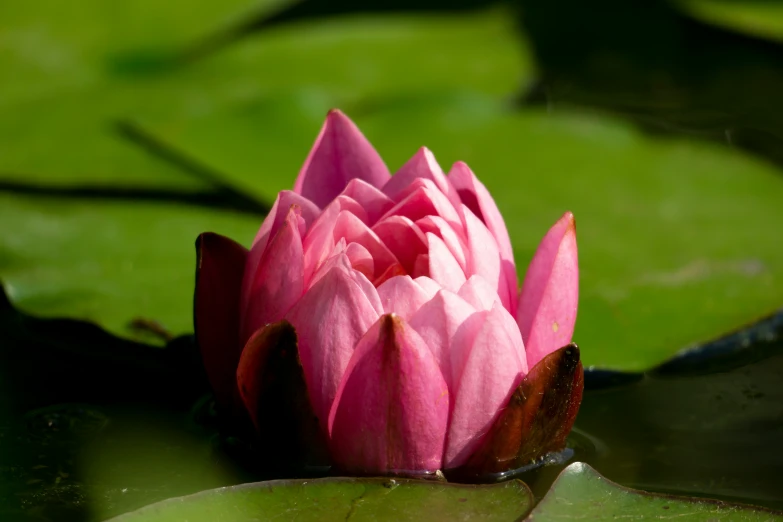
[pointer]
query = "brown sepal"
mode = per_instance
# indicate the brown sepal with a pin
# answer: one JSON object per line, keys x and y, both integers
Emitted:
{"x": 272, "y": 386}
{"x": 219, "y": 270}
{"x": 537, "y": 419}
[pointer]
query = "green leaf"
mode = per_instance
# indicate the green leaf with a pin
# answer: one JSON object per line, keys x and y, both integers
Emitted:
{"x": 107, "y": 262}
{"x": 581, "y": 492}
{"x": 341, "y": 498}
{"x": 757, "y": 17}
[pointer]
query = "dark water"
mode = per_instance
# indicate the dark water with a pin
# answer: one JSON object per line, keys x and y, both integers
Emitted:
{"x": 85, "y": 436}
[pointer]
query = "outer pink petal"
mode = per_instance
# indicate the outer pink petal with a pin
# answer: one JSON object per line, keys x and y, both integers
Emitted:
{"x": 329, "y": 320}
{"x": 340, "y": 154}
{"x": 403, "y": 238}
{"x": 422, "y": 165}
{"x": 548, "y": 301}
{"x": 478, "y": 293}
{"x": 484, "y": 258}
{"x": 486, "y": 373}
{"x": 438, "y": 226}
{"x": 422, "y": 198}
{"x": 391, "y": 410}
{"x": 216, "y": 311}
{"x": 443, "y": 268}
{"x": 279, "y": 278}
{"x": 437, "y": 322}
{"x": 375, "y": 202}
{"x": 272, "y": 223}
{"x": 477, "y": 198}
{"x": 401, "y": 296}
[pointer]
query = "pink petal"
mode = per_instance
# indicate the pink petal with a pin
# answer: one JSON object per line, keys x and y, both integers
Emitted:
{"x": 476, "y": 197}
{"x": 348, "y": 226}
{"x": 279, "y": 279}
{"x": 422, "y": 198}
{"x": 329, "y": 320}
{"x": 422, "y": 165}
{"x": 360, "y": 259}
{"x": 428, "y": 285}
{"x": 486, "y": 373}
{"x": 478, "y": 293}
{"x": 403, "y": 238}
{"x": 548, "y": 301}
{"x": 438, "y": 226}
{"x": 375, "y": 202}
{"x": 443, "y": 268}
{"x": 319, "y": 241}
{"x": 437, "y": 322}
{"x": 401, "y": 296}
{"x": 484, "y": 258}
{"x": 269, "y": 228}
{"x": 391, "y": 410}
{"x": 216, "y": 311}
{"x": 340, "y": 258}
{"x": 340, "y": 154}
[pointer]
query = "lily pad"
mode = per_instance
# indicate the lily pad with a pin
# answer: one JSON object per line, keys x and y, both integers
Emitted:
{"x": 757, "y": 17}
{"x": 340, "y": 498}
{"x": 126, "y": 266}
{"x": 581, "y": 492}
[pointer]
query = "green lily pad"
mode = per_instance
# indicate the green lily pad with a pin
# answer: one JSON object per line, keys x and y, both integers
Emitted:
{"x": 581, "y": 492}
{"x": 107, "y": 262}
{"x": 340, "y": 498}
{"x": 756, "y": 17}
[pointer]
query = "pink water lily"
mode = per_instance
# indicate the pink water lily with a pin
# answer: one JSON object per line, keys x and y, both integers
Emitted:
{"x": 399, "y": 297}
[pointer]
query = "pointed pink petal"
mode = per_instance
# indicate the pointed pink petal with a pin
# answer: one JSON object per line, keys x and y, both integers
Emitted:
{"x": 391, "y": 410}
{"x": 360, "y": 259}
{"x": 403, "y": 238}
{"x": 375, "y": 202}
{"x": 319, "y": 241}
{"x": 216, "y": 311}
{"x": 329, "y": 320}
{"x": 477, "y": 198}
{"x": 401, "y": 296}
{"x": 438, "y": 226}
{"x": 279, "y": 279}
{"x": 340, "y": 258}
{"x": 484, "y": 257}
{"x": 348, "y": 226}
{"x": 547, "y": 303}
{"x": 422, "y": 198}
{"x": 340, "y": 154}
{"x": 443, "y": 268}
{"x": 486, "y": 373}
{"x": 269, "y": 228}
{"x": 422, "y": 165}
{"x": 428, "y": 285}
{"x": 478, "y": 293}
{"x": 437, "y": 322}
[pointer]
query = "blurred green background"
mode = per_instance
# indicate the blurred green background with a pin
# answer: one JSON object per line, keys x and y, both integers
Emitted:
{"x": 129, "y": 127}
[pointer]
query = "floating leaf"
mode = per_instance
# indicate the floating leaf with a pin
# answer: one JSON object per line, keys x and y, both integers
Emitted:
{"x": 581, "y": 492}
{"x": 336, "y": 499}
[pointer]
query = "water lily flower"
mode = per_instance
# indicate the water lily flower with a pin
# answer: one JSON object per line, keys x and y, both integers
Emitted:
{"x": 378, "y": 318}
